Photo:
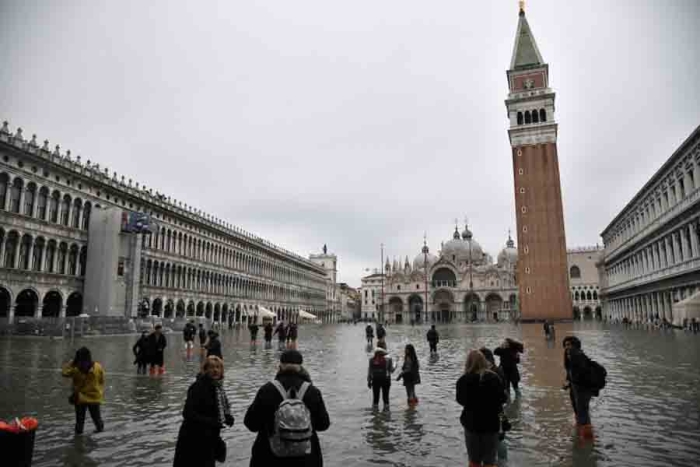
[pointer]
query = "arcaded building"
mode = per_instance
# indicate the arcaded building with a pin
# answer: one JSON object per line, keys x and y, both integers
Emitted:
{"x": 542, "y": 266}
{"x": 584, "y": 281}
{"x": 651, "y": 262}
{"x": 462, "y": 283}
{"x": 64, "y": 249}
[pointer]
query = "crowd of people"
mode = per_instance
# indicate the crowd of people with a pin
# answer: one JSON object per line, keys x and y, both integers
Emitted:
{"x": 289, "y": 411}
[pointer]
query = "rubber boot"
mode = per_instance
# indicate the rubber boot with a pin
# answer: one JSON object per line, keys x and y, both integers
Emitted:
{"x": 161, "y": 370}
{"x": 152, "y": 371}
{"x": 474, "y": 464}
{"x": 586, "y": 431}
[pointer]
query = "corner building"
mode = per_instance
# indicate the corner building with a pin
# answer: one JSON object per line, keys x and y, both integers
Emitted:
{"x": 542, "y": 262}
{"x": 64, "y": 250}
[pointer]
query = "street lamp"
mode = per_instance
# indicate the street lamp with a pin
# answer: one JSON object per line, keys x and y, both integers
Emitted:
{"x": 425, "y": 263}
{"x": 381, "y": 302}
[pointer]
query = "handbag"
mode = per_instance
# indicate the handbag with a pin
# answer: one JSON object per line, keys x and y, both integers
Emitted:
{"x": 220, "y": 450}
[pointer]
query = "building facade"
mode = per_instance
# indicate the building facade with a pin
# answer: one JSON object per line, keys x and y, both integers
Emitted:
{"x": 64, "y": 250}
{"x": 542, "y": 269}
{"x": 461, "y": 284}
{"x": 329, "y": 263}
{"x": 584, "y": 281}
{"x": 371, "y": 290}
{"x": 349, "y": 298}
{"x": 651, "y": 261}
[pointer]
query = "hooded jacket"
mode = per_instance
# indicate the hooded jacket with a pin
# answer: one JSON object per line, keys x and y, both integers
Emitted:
{"x": 260, "y": 419}
{"x": 89, "y": 387}
{"x": 482, "y": 397}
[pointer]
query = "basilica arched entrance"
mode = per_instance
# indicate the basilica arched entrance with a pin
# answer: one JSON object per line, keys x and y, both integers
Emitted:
{"x": 444, "y": 304}
{"x": 396, "y": 307}
{"x": 180, "y": 309}
{"x": 472, "y": 305}
{"x": 415, "y": 307}
{"x": 190, "y": 308}
{"x": 157, "y": 307}
{"x": 26, "y": 303}
{"x": 494, "y": 303}
{"x": 169, "y": 309}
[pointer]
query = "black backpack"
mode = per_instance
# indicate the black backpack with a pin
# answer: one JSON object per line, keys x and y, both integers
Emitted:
{"x": 596, "y": 376}
{"x": 380, "y": 369}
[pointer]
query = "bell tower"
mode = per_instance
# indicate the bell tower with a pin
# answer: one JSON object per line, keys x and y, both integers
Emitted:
{"x": 543, "y": 278}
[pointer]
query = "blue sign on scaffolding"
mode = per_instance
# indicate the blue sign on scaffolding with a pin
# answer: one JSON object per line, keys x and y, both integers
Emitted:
{"x": 138, "y": 222}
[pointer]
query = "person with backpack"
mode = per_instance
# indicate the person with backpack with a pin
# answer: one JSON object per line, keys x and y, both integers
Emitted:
{"x": 509, "y": 353}
{"x": 480, "y": 392}
{"x": 206, "y": 412}
{"x": 433, "y": 339}
{"x": 584, "y": 380}
{"x": 292, "y": 336}
{"x": 410, "y": 373}
{"x": 253, "y": 328}
{"x": 156, "y": 345}
{"x": 286, "y": 414}
{"x": 188, "y": 334}
{"x": 213, "y": 345}
{"x": 502, "y": 451}
{"x": 369, "y": 334}
{"x": 379, "y": 376}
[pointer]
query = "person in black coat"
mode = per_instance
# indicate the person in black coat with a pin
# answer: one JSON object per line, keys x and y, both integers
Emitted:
{"x": 576, "y": 364}
{"x": 268, "y": 329}
{"x": 156, "y": 346}
{"x": 260, "y": 417}
{"x": 214, "y": 345}
{"x": 281, "y": 332}
{"x": 433, "y": 339}
{"x": 206, "y": 412}
{"x": 140, "y": 350}
{"x": 481, "y": 393}
{"x": 410, "y": 373}
{"x": 509, "y": 353}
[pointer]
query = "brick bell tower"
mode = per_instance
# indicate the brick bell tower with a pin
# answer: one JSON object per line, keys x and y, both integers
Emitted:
{"x": 543, "y": 277}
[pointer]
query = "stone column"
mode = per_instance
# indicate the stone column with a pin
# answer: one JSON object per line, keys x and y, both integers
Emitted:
{"x": 62, "y": 311}
{"x": 18, "y": 251}
{"x": 21, "y": 199}
{"x": 677, "y": 254}
{"x": 669, "y": 250}
{"x": 11, "y": 313}
{"x": 692, "y": 232}
{"x": 2, "y": 251}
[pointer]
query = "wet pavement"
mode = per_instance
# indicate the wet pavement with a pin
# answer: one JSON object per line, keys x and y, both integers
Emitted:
{"x": 648, "y": 415}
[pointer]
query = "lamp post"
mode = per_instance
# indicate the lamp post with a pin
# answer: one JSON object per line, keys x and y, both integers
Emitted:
{"x": 381, "y": 300}
{"x": 471, "y": 277}
{"x": 425, "y": 264}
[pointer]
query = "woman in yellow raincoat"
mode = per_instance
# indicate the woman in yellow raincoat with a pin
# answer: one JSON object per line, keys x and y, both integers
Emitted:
{"x": 88, "y": 388}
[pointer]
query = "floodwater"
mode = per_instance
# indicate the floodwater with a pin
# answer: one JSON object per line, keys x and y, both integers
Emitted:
{"x": 648, "y": 415}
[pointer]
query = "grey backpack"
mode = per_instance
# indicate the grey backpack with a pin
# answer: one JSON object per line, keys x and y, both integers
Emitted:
{"x": 292, "y": 432}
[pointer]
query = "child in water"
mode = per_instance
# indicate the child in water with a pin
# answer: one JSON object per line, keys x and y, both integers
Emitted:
{"x": 410, "y": 374}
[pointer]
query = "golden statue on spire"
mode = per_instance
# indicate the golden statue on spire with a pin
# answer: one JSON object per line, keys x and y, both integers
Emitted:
{"x": 522, "y": 5}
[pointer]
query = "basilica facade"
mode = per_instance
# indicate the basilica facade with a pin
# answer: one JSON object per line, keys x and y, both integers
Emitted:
{"x": 462, "y": 283}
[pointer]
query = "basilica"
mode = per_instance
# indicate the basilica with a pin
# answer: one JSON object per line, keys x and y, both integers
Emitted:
{"x": 461, "y": 284}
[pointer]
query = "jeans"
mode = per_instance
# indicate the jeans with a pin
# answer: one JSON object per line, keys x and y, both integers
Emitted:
{"x": 94, "y": 409}
{"x": 481, "y": 447}
{"x": 411, "y": 391}
{"x": 382, "y": 386}
{"x": 582, "y": 397}
{"x": 433, "y": 346}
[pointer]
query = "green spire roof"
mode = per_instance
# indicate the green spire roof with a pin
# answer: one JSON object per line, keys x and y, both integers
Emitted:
{"x": 525, "y": 51}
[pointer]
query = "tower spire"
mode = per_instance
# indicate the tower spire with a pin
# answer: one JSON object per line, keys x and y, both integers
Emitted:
{"x": 525, "y": 51}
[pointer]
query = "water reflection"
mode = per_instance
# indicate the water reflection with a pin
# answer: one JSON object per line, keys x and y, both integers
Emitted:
{"x": 648, "y": 415}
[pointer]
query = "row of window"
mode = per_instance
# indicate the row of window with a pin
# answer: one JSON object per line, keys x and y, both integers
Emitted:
{"x": 20, "y": 197}
{"x": 656, "y": 205}
{"x": 532, "y": 116}
{"x": 27, "y": 253}
{"x": 676, "y": 247}
{"x": 42, "y": 204}
{"x": 160, "y": 274}
{"x": 576, "y": 296}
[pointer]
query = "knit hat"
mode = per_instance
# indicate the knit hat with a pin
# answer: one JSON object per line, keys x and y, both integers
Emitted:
{"x": 380, "y": 351}
{"x": 291, "y": 356}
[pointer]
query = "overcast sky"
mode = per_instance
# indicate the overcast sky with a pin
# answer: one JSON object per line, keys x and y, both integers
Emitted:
{"x": 353, "y": 123}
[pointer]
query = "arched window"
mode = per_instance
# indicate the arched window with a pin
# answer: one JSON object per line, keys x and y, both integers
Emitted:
{"x": 73, "y": 260}
{"x": 3, "y": 189}
{"x": 42, "y": 200}
{"x": 15, "y": 193}
{"x": 595, "y": 295}
{"x": 53, "y": 207}
{"x": 65, "y": 210}
{"x": 11, "y": 249}
{"x": 38, "y": 254}
{"x": 543, "y": 115}
{"x": 528, "y": 119}
{"x": 575, "y": 272}
{"x": 50, "y": 255}
{"x": 75, "y": 216}
{"x": 520, "y": 118}
{"x": 588, "y": 295}
{"x": 535, "y": 116}
{"x": 86, "y": 215}
{"x": 62, "y": 253}
{"x": 29, "y": 198}
{"x": 576, "y": 296}
{"x": 24, "y": 252}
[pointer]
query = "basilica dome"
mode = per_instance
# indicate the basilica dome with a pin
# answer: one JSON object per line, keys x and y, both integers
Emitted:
{"x": 420, "y": 259}
{"x": 508, "y": 255}
{"x": 461, "y": 249}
